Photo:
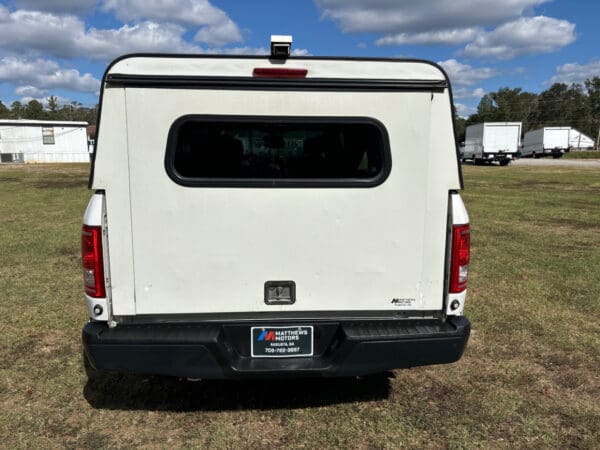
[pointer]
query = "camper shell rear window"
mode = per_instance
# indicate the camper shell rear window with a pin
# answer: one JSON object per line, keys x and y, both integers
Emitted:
{"x": 234, "y": 151}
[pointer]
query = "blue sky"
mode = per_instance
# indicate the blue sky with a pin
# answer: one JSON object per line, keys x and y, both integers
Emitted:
{"x": 61, "y": 47}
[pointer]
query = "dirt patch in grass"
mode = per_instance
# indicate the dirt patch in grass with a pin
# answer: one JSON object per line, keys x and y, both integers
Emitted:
{"x": 42, "y": 345}
{"x": 11, "y": 180}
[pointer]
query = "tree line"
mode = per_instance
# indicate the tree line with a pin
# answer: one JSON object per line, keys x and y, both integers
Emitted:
{"x": 574, "y": 105}
{"x": 35, "y": 110}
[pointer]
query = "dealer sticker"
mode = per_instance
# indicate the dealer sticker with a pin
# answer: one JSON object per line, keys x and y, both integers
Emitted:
{"x": 281, "y": 342}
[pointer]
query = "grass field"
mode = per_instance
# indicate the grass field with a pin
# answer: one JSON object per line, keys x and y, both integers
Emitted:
{"x": 584, "y": 154}
{"x": 530, "y": 377}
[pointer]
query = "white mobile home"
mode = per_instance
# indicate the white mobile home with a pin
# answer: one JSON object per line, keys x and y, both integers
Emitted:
{"x": 492, "y": 141}
{"x": 547, "y": 141}
{"x": 43, "y": 141}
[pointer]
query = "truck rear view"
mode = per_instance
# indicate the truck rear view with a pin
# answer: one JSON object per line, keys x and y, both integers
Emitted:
{"x": 259, "y": 216}
{"x": 492, "y": 141}
{"x": 547, "y": 141}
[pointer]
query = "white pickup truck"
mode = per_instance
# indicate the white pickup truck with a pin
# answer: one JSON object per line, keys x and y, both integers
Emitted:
{"x": 273, "y": 216}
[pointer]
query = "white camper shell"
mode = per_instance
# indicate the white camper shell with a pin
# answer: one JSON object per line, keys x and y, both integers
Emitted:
{"x": 492, "y": 141}
{"x": 271, "y": 216}
{"x": 547, "y": 141}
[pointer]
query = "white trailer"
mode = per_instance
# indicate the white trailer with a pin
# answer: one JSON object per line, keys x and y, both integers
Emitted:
{"x": 580, "y": 141}
{"x": 547, "y": 141}
{"x": 492, "y": 141}
{"x": 43, "y": 141}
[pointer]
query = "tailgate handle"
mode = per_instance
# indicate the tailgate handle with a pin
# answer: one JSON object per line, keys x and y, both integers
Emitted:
{"x": 280, "y": 292}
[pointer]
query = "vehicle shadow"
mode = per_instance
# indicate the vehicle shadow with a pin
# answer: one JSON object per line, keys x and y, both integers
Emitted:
{"x": 138, "y": 392}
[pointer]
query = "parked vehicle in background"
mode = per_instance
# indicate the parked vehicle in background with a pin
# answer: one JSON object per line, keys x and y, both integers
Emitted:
{"x": 492, "y": 142}
{"x": 270, "y": 217}
{"x": 547, "y": 141}
{"x": 580, "y": 141}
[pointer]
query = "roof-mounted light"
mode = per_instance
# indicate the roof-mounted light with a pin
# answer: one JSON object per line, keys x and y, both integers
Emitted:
{"x": 281, "y": 46}
{"x": 277, "y": 72}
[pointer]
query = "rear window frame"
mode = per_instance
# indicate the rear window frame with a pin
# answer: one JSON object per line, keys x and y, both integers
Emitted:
{"x": 378, "y": 179}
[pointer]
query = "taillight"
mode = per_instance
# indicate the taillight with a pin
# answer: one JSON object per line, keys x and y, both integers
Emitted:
{"x": 459, "y": 267}
{"x": 91, "y": 258}
{"x": 270, "y": 72}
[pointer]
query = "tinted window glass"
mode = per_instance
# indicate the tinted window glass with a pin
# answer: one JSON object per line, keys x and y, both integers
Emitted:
{"x": 277, "y": 149}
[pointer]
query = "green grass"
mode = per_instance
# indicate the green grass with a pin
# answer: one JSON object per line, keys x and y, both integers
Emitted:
{"x": 584, "y": 154}
{"x": 530, "y": 377}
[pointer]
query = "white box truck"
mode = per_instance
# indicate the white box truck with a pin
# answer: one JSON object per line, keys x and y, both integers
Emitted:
{"x": 268, "y": 216}
{"x": 547, "y": 141}
{"x": 488, "y": 142}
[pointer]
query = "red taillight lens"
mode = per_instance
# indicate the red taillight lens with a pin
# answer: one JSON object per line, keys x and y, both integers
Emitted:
{"x": 459, "y": 267}
{"x": 279, "y": 73}
{"x": 91, "y": 259}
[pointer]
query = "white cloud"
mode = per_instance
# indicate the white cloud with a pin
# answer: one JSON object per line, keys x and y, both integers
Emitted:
{"x": 192, "y": 12}
{"x": 65, "y": 36}
{"x": 443, "y": 37}
{"x": 141, "y": 37}
{"x": 219, "y": 34}
{"x": 440, "y": 22}
{"x": 24, "y": 30}
{"x": 524, "y": 36}
{"x": 575, "y": 73}
{"x": 300, "y": 52}
{"x": 409, "y": 16}
{"x": 468, "y": 94}
{"x": 217, "y": 28}
{"x": 30, "y": 91}
{"x": 68, "y": 6}
{"x": 36, "y": 77}
{"x": 432, "y": 22}
{"x": 464, "y": 110}
{"x": 461, "y": 74}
